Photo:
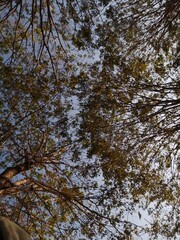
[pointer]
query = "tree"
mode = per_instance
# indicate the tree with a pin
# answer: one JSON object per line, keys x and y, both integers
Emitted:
{"x": 132, "y": 108}
{"x": 67, "y": 173}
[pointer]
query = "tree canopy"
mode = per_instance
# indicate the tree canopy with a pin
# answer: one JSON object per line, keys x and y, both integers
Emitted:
{"x": 90, "y": 117}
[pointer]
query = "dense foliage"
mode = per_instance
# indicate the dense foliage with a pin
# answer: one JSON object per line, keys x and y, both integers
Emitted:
{"x": 90, "y": 118}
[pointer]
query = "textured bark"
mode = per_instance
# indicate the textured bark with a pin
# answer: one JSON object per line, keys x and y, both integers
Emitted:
{"x": 9, "y": 187}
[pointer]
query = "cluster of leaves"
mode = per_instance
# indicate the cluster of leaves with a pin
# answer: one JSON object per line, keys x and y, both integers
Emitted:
{"x": 72, "y": 173}
{"x": 131, "y": 104}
